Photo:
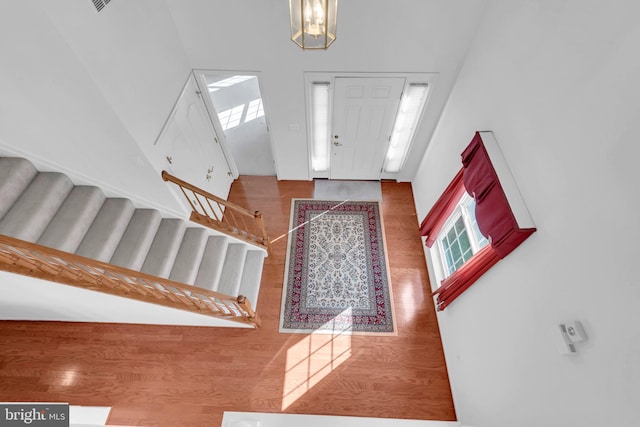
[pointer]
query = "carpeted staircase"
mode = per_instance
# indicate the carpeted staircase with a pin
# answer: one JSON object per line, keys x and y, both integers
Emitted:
{"x": 47, "y": 209}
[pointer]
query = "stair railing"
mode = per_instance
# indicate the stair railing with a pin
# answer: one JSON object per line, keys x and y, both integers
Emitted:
{"x": 216, "y": 213}
{"x": 54, "y": 265}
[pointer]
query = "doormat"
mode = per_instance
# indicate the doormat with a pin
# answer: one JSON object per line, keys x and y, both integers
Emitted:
{"x": 336, "y": 276}
{"x": 327, "y": 189}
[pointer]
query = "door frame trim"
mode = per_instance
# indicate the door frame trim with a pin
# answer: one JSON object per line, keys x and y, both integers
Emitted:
{"x": 410, "y": 78}
{"x": 215, "y": 123}
{"x": 213, "y": 115}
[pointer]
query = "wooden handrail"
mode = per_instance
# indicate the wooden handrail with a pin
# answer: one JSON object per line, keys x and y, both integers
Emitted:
{"x": 54, "y": 265}
{"x": 221, "y": 215}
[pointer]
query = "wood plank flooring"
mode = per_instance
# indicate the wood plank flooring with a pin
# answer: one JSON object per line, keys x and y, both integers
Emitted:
{"x": 187, "y": 376}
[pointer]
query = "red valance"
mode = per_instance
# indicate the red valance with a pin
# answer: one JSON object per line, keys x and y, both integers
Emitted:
{"x": 494, "y": 215}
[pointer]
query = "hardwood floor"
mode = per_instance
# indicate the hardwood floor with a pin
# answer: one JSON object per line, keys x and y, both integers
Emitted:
{"x": 187, "y": 376}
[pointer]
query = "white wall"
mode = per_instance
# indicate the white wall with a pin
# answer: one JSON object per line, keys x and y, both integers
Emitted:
{"x": 373, "y": 36}
{"x": 86, "y": 93}
{"x": 258, "y": 419}
{"x": 26, "y": 298}
{"x": 88, "y": 416}
{"x": 558, "y": 84}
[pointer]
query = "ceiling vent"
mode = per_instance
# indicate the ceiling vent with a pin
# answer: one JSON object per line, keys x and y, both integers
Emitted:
{"x": 100, "y": 4}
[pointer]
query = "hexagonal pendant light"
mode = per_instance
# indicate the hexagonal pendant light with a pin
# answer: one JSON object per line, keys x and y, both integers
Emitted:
{"x": 313, "y": 23}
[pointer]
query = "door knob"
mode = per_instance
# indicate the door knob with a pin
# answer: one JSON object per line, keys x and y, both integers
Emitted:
{"x": 336, "y": 143}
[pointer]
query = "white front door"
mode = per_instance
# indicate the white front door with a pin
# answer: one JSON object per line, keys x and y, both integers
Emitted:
{"x": 190, "y": 146}
{"x": 364, "y": 111}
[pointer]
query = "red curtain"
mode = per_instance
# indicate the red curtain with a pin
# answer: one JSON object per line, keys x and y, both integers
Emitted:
{"x": 444, "y": 206}
{"x": 493, "y": 214}
{"x": 453, "y": 286}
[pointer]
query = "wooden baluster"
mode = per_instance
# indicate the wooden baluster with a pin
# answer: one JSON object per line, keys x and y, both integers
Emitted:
{"x": 189, "y": 300}
{"x": 193, "y": 207}
{"x": 231, "y": 222}
{"x": 8, "y": 255}
{"x": 107, "y": 278}
{"x": 143, "y": 287}
{"x": 224, "y": 218}
{"x": 215, "y": 215}
{"x": 40, "y": 262}
{"x": 213, "y": 305}
{"x": 262, "y": 230}
{"x": 204, "y": 210}
{"x": 52, "y": 264}
{"x": 169, "y": 295}
{"x": 245, "y": 227}
{"x": 74, "y": 272}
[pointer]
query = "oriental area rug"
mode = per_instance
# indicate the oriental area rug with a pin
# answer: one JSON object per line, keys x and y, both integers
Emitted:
{"x": 336, "y": 277}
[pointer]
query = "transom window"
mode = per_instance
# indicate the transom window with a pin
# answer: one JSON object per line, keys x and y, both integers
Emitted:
{"x": 460, "y": 237}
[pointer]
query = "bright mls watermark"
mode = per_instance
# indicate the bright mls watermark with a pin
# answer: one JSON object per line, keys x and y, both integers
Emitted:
{"x": 34, "y": 414}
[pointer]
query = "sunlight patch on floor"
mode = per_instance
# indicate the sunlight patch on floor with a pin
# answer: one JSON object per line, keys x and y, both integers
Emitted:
{"x": 67, "y": 377}
{"x": 311, "y": 360}
{"x": 411, "y": 295}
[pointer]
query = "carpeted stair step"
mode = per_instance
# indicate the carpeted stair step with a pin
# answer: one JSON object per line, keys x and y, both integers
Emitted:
{"x": 46, "y": 208}
{"x": 212, "y": 260}
{"x": 137, "y": 239}
{"x": 15, "y": 176}
{"x": 102, "y": 238}
{"x": 164, "y": 248}
{"x": 232, "y": 269}
{"x": 67, "y": 229}
{"x": 251, "y": 275}
{"x": 31, "y": 213}
{"x": 189, "y": 257}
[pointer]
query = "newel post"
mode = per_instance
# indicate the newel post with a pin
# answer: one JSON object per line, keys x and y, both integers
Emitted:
{"x": 257, "y": 215}
{"x": 244, "y": 303}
